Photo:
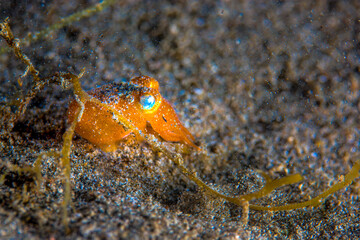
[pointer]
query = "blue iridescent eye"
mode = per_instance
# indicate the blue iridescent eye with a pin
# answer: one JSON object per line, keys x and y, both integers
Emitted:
{"x": 147, "y": 101}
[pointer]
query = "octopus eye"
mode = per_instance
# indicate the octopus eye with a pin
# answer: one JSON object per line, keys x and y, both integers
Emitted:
{"x": 147, "y": 101}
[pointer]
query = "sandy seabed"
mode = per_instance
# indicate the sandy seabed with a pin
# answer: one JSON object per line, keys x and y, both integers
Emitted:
{"x": 268, "y": 85}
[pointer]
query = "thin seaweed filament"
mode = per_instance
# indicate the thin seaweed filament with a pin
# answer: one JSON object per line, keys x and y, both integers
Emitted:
{"x": 82, "y": 97}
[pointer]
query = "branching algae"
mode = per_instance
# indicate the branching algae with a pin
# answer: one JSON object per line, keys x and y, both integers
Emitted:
{"x": 118, "y": 116}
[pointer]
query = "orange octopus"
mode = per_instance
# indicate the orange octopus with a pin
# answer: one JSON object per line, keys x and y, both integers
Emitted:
{"x": 141, "y": 103}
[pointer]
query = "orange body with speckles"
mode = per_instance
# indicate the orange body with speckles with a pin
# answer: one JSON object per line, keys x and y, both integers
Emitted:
{"x": 98, "y": 126}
